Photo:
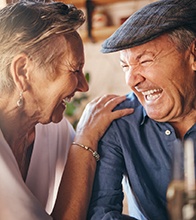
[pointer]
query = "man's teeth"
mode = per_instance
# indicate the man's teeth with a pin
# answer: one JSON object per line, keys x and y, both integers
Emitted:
{"x": 150, "y": 94}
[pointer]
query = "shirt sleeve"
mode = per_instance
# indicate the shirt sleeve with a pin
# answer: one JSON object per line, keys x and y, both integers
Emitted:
{"x": 107, "y": 195}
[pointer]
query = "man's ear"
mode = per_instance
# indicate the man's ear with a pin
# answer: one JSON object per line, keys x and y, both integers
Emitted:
{"x": 19, "y": 70}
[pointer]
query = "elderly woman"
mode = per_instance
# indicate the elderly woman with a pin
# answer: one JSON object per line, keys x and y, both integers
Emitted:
{"x": 41, "y": 66}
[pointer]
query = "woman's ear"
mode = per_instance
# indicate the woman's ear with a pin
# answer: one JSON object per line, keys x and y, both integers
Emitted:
{"x": 19, "y": 70}
{"x": 193, "y": 52}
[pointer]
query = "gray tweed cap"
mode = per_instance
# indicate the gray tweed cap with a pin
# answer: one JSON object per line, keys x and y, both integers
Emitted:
{"x": 150, "y": 22}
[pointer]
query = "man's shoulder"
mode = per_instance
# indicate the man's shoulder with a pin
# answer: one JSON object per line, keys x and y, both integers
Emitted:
{"x": 134, "y": 119}
{"x": 130, "y": 102}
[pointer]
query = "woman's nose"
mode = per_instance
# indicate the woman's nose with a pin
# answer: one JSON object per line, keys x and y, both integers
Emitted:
{"x": 82, "y": 84}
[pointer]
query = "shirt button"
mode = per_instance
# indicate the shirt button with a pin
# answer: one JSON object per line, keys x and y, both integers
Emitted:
{"x": 167, "y": 132}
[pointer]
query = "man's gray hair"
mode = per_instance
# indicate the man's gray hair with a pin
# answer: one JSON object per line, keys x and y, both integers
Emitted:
{"x": 182, "y": 38}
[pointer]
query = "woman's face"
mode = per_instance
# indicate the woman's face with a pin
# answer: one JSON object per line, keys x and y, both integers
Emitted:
{"x": 52, "y": 87}
{"x": 162, "y": 78}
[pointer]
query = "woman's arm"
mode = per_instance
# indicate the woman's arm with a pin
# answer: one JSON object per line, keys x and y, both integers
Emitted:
{"x": 76, "y": 185}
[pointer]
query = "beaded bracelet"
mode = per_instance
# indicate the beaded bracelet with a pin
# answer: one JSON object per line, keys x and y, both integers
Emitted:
{"x": 94, "y": 153}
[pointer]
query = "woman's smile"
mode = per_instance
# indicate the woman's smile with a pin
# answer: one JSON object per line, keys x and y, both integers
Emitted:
{"x": 66, "y": 100}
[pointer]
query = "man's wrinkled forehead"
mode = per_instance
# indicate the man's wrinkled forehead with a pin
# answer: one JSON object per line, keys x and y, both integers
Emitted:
{"x": 156, "y": 49}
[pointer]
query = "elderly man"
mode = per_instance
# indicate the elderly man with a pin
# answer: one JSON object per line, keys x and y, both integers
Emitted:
{"x": 157, "y": 46}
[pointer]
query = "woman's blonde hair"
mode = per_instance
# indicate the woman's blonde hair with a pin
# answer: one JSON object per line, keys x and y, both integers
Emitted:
{"x": 29, "y": 27}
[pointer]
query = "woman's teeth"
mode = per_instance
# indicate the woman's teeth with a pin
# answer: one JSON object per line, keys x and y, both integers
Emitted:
{"x": 66, "y": 100}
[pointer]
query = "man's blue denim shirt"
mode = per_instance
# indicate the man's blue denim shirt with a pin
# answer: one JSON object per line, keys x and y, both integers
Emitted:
{"x": 140, "y": 149}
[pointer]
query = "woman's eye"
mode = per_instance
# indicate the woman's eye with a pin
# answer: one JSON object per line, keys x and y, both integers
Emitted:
{"x": 75, "y": 71}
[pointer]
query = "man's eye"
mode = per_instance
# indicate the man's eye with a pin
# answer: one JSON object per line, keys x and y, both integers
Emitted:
{"x": 146, "y": 62}
{"x": 124, "y": 66}
{"x": 125, "y": 69}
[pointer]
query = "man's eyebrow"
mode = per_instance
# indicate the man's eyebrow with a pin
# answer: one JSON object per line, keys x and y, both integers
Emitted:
{"x": 122, "y": 61}
{"x": 145, "y": 52}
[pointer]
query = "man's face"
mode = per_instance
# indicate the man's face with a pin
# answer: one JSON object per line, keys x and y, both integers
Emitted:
{"x": 161, "y": 77}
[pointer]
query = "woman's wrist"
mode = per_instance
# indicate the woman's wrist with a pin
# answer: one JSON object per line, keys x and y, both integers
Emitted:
{"x": 86, "y": 139}
{"x": 87, "y": 148}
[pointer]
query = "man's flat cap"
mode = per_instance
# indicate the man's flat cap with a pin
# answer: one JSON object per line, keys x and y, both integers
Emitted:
{"x": 150, "y": 22}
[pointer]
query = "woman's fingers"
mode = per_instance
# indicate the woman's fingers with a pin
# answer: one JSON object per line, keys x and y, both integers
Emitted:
{"x": 107, "y": 103}
{"x": 123, "y": 112}
{"x": 99, "y": 114}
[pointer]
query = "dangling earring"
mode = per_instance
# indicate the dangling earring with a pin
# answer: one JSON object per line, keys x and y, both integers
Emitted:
{"x": 20, "y": 101}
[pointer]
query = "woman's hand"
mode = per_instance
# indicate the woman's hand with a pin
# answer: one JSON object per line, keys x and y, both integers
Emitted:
{"x": 97, "y": 117}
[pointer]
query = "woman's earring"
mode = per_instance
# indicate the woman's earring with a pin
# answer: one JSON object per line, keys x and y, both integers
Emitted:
{"x": 20, "y": 100}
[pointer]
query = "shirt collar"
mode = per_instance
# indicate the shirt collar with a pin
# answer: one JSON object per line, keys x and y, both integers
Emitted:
{"x": 144, "y": 116}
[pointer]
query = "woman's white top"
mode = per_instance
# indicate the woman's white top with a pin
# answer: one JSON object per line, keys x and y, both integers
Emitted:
{"x": 35, "y": 198}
